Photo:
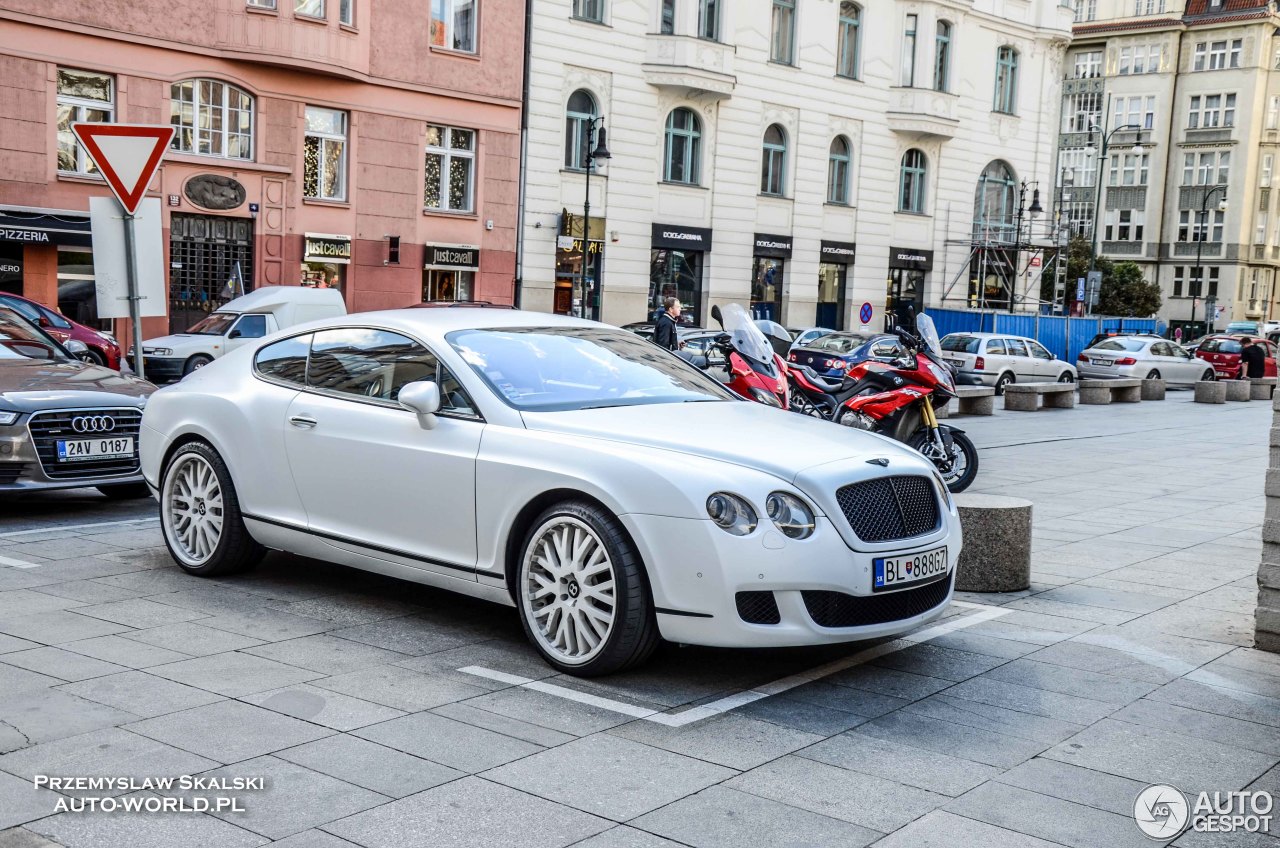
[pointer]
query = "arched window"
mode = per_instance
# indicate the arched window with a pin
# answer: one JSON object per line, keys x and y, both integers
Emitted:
{"x": 849, "y": 40}
{"x": 995, "y": 203}
{"x": 212, "y": 118}
{"x": 1006, "y": 80}
{"x": 773, "y": 164}
{"x": 942, "y": 57}
{"x": 682, "y": 161}
{"x": 839, "y": 168}
{"x": 911, "y": 181}
{"x": 579, "y": 114}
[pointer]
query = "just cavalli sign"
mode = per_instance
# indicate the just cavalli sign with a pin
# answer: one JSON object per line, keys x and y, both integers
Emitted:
{"x": 450, "y": 256}
{"x": 325, "y": 248}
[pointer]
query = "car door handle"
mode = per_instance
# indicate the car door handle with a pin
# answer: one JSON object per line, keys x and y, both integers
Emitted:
{"x": 306, "y": 422}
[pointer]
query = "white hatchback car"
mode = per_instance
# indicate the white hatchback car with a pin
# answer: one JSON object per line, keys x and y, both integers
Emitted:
{"x": 608, "y": 490}
{"x": 994, "y": 359}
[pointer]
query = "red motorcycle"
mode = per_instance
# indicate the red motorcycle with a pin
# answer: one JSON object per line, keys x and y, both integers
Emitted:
{"x": 896, "y": 399}
{"x": 752, "y": 368}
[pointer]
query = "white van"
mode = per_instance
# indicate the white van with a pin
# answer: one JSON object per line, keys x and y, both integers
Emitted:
{"x": 259, "y": 313}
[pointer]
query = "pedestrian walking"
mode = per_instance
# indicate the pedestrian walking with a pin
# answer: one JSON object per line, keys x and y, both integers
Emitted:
{"x": 664, "y": 334}
{"x": 1177, "y": 335}
{"x": 1253, "y": 359}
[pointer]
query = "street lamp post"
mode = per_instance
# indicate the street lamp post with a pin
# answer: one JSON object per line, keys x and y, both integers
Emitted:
{"x": 1066, "y": 182}
{"x": 1200, "y": 239}
{"x": 1035, "y": 209}
{"x": 594, "y": 127}
{"x": 1105, "y": 144}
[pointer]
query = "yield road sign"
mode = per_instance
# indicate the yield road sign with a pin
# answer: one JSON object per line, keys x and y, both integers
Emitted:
{"x": 126, "y": 154}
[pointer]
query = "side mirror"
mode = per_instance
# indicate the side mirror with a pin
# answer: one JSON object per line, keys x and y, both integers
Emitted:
{"x": 423, "y": 399}
{"x": 78, "y": 349}
{"x": 234, "y": 334}
{"x": 715, "y": 313}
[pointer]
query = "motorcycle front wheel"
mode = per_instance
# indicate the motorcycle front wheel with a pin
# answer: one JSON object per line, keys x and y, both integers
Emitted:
{"x": 960, "y": 468}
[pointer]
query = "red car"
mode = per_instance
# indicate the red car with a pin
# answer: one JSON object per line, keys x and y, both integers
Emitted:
{"x": 1223, "y": 353}
{"x": 103, "y": 349}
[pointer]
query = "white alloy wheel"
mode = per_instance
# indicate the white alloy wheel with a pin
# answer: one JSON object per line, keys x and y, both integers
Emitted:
{"x": 567, "y": 588}
{"x": 191, "y": 509}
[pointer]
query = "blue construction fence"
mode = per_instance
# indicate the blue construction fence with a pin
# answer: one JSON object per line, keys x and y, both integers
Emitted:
{"x": 1063, "y": 336}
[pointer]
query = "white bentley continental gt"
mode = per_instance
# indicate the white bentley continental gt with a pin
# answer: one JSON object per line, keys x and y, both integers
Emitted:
{"x": 608, "y": 490}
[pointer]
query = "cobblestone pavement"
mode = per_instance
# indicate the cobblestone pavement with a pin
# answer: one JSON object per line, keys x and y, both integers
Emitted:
{"x": 1028, "y": 719}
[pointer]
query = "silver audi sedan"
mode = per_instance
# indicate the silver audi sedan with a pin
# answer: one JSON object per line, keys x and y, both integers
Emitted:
{"x": 1144, "y": 357}
{"x": 65, "y": 423}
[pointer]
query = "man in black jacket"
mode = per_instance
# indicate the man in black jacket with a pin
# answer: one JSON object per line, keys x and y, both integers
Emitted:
{"x": 1253, "y": 359}
{"x": 664, "y": 332}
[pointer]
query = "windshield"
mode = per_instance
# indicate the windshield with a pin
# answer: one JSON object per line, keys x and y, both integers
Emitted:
{"x": 928, "y": 333}
{"x": 1220, "y": 346}
{"x": 553, "y": 369}
{"x": 961, "y": 344}
{"x": 20, "y": 339}
{"x": 745, "y": 336}
{"x": 215, "y": 325}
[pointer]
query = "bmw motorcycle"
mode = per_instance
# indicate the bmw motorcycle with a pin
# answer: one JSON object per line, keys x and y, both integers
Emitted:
{"x": 896, "y": 399}
{"x": 752, "y": 367}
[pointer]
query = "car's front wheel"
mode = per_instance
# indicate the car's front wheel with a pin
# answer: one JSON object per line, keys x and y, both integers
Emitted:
{"x": 582, "y": 594}
{"x": 1066, "y": 377}
{"x": 195, "y": 363}
{"x": 200, "y": 514}
{"x": 1209, "y": 375}
{"x": 1004, "y": 380}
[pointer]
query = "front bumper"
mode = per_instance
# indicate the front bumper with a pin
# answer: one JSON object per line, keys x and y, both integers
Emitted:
{"x": 975, "y": 378}
{"x": 697, "y": 570}
{"x": 25, "y": 467}
{"x": 161, "y": 368}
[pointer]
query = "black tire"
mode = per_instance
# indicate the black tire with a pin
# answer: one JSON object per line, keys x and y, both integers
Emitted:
{"x": 195, "y": 363}
{"x": 1154, "y": 375}
{"x": 1066, "y": 377}
{"x": 94, "y": 357}
{"x": 235, "y": 550}
{"x": 1209, "y": 376}
{"x": 125, "y": 491}
{"x": 955, "y": 483}
{"x": 633, "y": 635}
{"x": 1003, "y": 380}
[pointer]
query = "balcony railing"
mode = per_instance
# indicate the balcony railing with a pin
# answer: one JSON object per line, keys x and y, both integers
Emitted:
{"x": 1188, "y": 248}
{"x": 1122, "y": 248}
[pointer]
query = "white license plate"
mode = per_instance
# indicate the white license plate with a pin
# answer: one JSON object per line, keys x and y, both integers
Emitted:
{"x": 1102, "y": 361}
{"x": 113, "y": 447}
{"x": 898, "y": 572}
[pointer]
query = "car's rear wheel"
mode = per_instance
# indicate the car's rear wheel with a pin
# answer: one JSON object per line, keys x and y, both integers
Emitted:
{"x": 1005, "y": 379}
{"x": 1154, "y": 375}
{"x": 195, "y": 363}
{"x": 582, "y": 593}
{"x": 1066, "y": 377}
{"x": 125, "y": 491}
{"x": 200, "y": 514}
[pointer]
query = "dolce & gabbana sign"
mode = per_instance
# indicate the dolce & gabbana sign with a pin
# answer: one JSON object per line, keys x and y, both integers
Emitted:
{"x": 447, "y": 257}
{"x": 838, "y": 252}
{"x": 911, "y": 258}
{"x": 681, "y": 238}
{"x": 767, "y": 244}
{"x": 326, "y": 248}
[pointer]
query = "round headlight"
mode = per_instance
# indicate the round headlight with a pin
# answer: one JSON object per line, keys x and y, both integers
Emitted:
{"x": 767, "y": 398}
{"x": 731, "y": 513}
{"x": 790, "y": 515}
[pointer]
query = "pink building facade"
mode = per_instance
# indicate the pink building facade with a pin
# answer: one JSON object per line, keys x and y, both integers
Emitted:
{"x": 369, "y": 146}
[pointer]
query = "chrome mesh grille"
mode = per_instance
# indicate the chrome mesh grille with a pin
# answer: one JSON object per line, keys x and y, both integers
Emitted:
{"x": 757, "y": 607}
{"x": 48, "y": 428}
{"x": 890, "y": 508}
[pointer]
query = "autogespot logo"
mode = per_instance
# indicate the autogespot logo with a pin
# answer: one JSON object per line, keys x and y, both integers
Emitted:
{"x": 1161, "y": 811}
{"x": 93, "y": 424}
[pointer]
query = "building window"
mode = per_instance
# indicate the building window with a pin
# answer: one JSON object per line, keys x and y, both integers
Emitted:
{"x": 1080, "y": 162}
{"x": 1273, "y": 112}
{"x": 1006, "y": 80}
{"x": 582, "y": 110}
{"x": 1260, "y": 233}
{"x": 995, "y": 204}
{"x": 667, "y": 25}
{"x": 1086, "y": 10}
{"x": 1135, "y": 111}
{"x": 709, "y": 19}
{"x": 1217, "y": 55}
{"x": 773, "y": 161}
{"x": 1206, "y": 168}
{"x": 212, "y": 118}
{"x": 848, "y": 56}
{"x": 347, "y": 12}
{"x": 839, "y": 168}
{"x": 83, "y": 97}
{"x": 324, "y": 154}
{"x": 1142, "y": 59}
{"x": 453, "y": 25}
{"x": 909, "y": 51}
{"x": 1124, "y": 225}
{"x": 942, "y": 57}
{"x": 1129, "y": 169}
{"x": 1192, "y": 226}
{"x": 1148, "y": 7}
{"x": 783, "y": 49}
{"x": 589, "y": 10}
{"x": 261, "y": 4}
{"x": 1211, "y": 110}
{"x": 309, "y": 8}
{"x": 451, "y": 159}
{"x": 1088, "y": 64}
{"x": 1082, "y": 111}
{"x": 682, "y": 158}
{"x": 911, "y": 182}
{"x": 1264, "y": 175}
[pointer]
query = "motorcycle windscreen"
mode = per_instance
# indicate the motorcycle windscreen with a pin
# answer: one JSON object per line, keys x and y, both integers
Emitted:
{"x": 929, "y": 333}
{"x": 746, "y": 337}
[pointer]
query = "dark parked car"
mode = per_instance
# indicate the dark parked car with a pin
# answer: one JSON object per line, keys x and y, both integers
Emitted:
{"x": 833, "y": 354}
{"x": 102, "y": 349}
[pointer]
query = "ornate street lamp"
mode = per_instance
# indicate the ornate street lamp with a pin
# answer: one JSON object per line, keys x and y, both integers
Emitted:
{"x": 1200, "y": 239}
{"x": 594, "y": 128}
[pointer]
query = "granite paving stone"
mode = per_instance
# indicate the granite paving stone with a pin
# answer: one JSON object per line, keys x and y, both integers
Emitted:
{"x": 1150, "y": 668}
{"x": 229, "y": 731}
{"x": 937, "y": 772}
{"x": 1071, "y": 681}
{"x": 1049, "y": 818}
{"x": 30, "y": 602}
{"x": 233, "y": 674}
{"x": 452, "y": 743}
{"x": 144, "y": 830}
{"x": 945, "y": 737}
{"x": 941, "y": 829}
{"x": 938, "y": 662}
{"x": 140, "y": 693}
{"x": 860, "y": 702}
{"x": 996, "y": 719}
{"x": 320, "y": 706}
{"x": 887, "y": 681}
{"x": 467, "y": 813}
{"x": 402, "y": 688}
{"x": 325, "y": 653}
{"x": 56, "y": 627}
{"x": 311, "y": 839}
{"x": 543, "y": 737}
{"x": 729, "y": 740}
{"x": 556, "y": 713}
{"x": 139, "y": 613}
{"x": 802, "y": 715}
{"x": 41, "y": 715}
{"x": 56, "y": 662}
{"x": 125, "y": 652}
{"x": 9, "y": 644}
{"x": 1078, "y": 785}
{"x": 1252, "y": 736}
{"x": 22, "y": 802}
{"x": 193, "y": 639}
{"x": 211, "y": 599}
{"x": 364, "y": 763}
{"x": 14, "y": 680}
{"x": 1220, "y": 701}
{"x": 1028, "y": 699}
{"x": 20, "y": 837}
{"x": 267, "y": 624}
{"x": 110, "y": 752}
{"x": 621, "y": 837}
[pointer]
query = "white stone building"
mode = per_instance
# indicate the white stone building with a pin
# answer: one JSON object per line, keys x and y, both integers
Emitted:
{"x": 1201, "y": 79}
{"x": 796, "y": 154}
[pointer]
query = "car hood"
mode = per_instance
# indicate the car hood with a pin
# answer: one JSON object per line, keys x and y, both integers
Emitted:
{"x": 751, "y": 435}
{"x": 30, "y": 384}
{"x": 181, "y": 340}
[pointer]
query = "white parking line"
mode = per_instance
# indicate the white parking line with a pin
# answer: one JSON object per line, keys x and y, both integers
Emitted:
{"x": 59, "y": 527}
{"x": 18, "y": 563}
{"x": 739, "y": 699}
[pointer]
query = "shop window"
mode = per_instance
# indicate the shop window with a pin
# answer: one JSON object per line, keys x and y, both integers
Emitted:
{"x": 450, "y": 169}
{"x": 678, "y": 274}
{"x": 212, "y": 118}
{"x": 450, "y": 285}
{"x": 831, "y": 294}
{"x": 83, "y": 97}
{"x": 77, "y": 292}
{"x": 453, "y": 25}
{"x": 324, "y": 154}
{"x": 766, "y": 287}
{"x": 309, "y": 8}
{"x": 324, "y": 275}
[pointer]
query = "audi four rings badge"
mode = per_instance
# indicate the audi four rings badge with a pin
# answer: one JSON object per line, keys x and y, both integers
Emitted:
{"x": 93, "y": 424}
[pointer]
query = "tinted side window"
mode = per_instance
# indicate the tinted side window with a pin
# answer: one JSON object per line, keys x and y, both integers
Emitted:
{"x": 23, "y": 308}
{"x": 377, "y": 364}
{"x": 1015, "y": 347}
{"x": 55, "y": 319}
{"x": 1038, "y": 352}
{"x": 252, "y": 326}
{"x": 995, "y": 347}
{"x": 285, "y": 360}
{"x": 1161, "y": 349}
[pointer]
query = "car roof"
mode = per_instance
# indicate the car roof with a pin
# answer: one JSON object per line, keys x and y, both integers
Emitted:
{"x": 991, "y": 336}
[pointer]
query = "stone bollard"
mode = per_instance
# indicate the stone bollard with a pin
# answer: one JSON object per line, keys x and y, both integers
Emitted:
{"x": 1262, "y": 388}
{"x": 1094, "y": 392}
{"x": 997, "y": 543}
{"x": 1153, "y": 389}
{"x": 1237, "y": 389}
{"x": 1211, "y": 391}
